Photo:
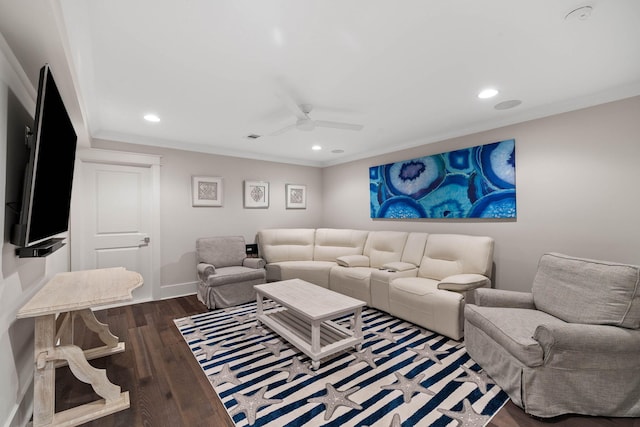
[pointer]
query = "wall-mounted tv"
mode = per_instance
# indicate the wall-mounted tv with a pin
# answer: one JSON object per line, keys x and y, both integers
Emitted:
{"x": 48, "y": 177}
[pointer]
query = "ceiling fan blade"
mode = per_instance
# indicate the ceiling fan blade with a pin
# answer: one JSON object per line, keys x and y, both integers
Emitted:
{"x": 283, "y": 130}
{"x": 337, "y": 125}
{"x": 291, "y": 105}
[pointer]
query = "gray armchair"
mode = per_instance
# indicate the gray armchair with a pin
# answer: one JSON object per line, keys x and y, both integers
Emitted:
{"x": 572, "y": 345}
{"x": 226, "y": 274}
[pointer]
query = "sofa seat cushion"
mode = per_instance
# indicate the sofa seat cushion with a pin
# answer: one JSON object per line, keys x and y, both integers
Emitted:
{"x": 415, "y": 285}
{"x": 352, "y": 281}
{"x": 513, "y": 329}
{"x": 419, "y": 300}
{"x": 587, "y": 291}
{"x": 316, "y": 272}
{"x": 234, "y": 274}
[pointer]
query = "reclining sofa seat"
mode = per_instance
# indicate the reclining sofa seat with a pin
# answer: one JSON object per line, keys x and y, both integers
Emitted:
{"x": 307, "y": 254}
{"x": 226, "y": 275}
{"x": 569, "y": 346}
{"x": 452, "y": 266}
{"x": 386, "y": 255}
{"x": 352, "y": 275}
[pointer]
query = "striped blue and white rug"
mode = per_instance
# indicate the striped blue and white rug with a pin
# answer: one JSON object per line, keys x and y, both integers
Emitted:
{"x": 403, "y": 375}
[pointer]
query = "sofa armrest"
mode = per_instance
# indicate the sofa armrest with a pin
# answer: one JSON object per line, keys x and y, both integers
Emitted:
{"x": 463, "y": 282}
{"x": 254, "y": 263}
{"x": 353, "y": 261}
{"x": 399, "y": 266}
{"x": 205, "y": 270}
{"x": 503, "y": 298}
{"x": 601, "y": 344}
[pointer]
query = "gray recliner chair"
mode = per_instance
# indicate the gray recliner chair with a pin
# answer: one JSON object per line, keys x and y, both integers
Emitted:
{"x": 572, "y": 345}
{"x": 226, "y": 274}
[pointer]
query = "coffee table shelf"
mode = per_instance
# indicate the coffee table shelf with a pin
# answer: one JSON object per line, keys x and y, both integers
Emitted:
{"x": 305, "y": 318}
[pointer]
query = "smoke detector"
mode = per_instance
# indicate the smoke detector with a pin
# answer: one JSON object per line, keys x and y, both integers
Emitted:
{"x": 580, "y": 14}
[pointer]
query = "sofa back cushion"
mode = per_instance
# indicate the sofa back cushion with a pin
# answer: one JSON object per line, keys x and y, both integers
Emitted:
{"x": 414, "y": 248}
{"x": 586, "y": 291}
{"x": 331, "y": 243}
{"x": 384, "y": 246}
{"x": 222, "y": 251}
{"x": 287, "y": 244}
{"x": 449, "y": 254}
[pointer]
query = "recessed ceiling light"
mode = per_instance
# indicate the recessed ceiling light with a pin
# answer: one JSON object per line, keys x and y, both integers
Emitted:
{"x": 316, "y": 148}
{"x": 487, "y": 93}
{"x": 152, "y": 118}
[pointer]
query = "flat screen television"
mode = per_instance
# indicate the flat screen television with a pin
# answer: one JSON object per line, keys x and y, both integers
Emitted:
{"x": 48, "y": 177}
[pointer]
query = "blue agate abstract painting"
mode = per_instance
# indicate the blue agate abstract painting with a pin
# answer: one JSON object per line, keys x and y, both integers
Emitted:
{"x": 476, "y": 182}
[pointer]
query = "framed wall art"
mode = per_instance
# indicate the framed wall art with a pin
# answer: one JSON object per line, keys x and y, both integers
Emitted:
{"x": 296, "y": 196}
{"x": 256, "y": 194}
{"x": 475, "y": 182}
{"x": 206, "y": 191}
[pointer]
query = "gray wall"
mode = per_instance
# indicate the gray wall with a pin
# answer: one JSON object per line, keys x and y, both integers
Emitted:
{"x": 576, "y": 177}
{"x": 181, "y": 224}
{"x": 19, "y": 278}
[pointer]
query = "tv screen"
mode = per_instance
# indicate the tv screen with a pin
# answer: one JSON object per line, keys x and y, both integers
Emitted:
{"x": 46, "y": 196}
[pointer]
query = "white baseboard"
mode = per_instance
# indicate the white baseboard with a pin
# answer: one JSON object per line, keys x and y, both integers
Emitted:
{"x": 178, "y": 290}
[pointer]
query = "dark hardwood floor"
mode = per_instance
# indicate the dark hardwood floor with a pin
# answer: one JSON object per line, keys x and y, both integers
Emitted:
{"x": 168, "y": 388}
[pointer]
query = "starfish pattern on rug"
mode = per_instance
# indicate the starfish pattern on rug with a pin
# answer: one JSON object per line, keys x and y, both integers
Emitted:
{"x": 187, "y": 321}
{"x": 335, "y": 398}
{"x": 251, "y": 404}
{"x": 241, "y": 318}
{"x": 367, "y": 356}
{"x": 467, "y": 417}
{"x": 388, "y": 335}
{"x": 225, "y": 375}
{"x": 196, "y": 335}
{"x": 296, "y": 368}
{"x": 408, "y": 386}
{"x": 228, "y": 377}
{"x": 274, "y": 347}
{"x": 481, "y": 379}
{"x": 254, "y": 330}
{"x": 210, "y": 350}
{"x": 427, "y": 353}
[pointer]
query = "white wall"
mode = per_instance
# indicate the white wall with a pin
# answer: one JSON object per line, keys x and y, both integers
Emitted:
{"x": 181, "y": 224}
{"x": 576, "y": 179}
{"x": 19, "y": 278}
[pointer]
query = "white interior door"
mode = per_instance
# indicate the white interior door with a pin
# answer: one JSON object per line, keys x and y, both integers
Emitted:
{"x": 117, "y": 214}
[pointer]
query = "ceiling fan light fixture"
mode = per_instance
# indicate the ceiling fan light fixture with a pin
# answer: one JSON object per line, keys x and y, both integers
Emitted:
{"x": 305, "y": 124}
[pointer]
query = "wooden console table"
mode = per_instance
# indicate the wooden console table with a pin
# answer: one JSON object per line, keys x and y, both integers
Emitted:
{"x": 71, "y": 295}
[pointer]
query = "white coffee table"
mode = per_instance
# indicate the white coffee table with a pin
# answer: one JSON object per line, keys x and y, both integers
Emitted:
{"x": 306, "y": 317}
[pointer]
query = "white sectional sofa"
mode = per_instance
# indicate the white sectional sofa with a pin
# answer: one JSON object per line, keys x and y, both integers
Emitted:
{"x": 420, "y": 277}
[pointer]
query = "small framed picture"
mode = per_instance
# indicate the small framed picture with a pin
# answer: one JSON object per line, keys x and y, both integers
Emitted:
{"x": 256, "y": 194}
{"x": 296, "y": 196}
{"x": 206, "y": 191}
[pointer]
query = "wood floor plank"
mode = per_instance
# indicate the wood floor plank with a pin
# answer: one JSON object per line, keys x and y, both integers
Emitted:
{"x": 168, "y": 388}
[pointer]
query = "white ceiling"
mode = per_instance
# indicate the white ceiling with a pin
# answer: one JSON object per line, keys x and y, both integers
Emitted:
{"x": 409, "y": 70}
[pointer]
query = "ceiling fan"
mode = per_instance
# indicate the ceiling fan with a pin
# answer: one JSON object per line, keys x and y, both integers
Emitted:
{"x": 306, "y": 123}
